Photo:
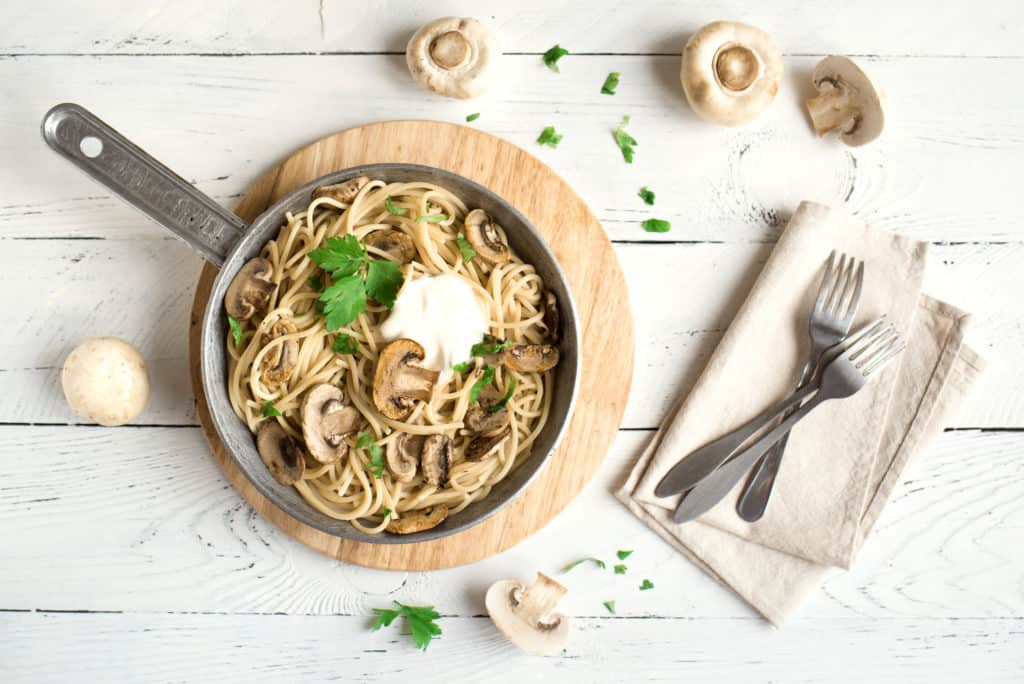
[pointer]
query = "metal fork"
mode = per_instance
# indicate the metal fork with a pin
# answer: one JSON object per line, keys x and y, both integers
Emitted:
{"x": 831, "y": 318}
{"x": 849, "y": 370}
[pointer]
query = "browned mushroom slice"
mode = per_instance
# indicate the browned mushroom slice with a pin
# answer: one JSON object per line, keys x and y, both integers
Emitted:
{"x": 400, "y": 380}
{"x": 417, "y": 521}
{"x": 530, "y": 358}
{"x": 482, "y": 419}
{"x": 394, "y": 243}
{"x": 404, "y": 456}
{"x": 250, "y": 289}
{"x": 435, "y": 459}
{"x": 481, "y": 446}
{"x": 278, "y": 363}
{"x": 342, "y": 192}
{"x": 482, "y": 233}
{"x": 279, "y": 453}
{"x": 551, "y": 318}
{"x": 326, "y": 421}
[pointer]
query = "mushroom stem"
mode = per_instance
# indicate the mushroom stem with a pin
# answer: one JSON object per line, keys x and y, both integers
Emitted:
{"x": 450, "y": 49}
{"x": 539, "y": 599}
{"x": 832, "y": 110}
{"x": 736, "y": 66}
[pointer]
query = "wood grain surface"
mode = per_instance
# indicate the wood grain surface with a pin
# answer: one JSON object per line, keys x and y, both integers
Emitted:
{"x": 597, "y": 283}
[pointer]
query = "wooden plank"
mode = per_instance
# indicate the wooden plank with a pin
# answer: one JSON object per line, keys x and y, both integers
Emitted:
{"x": 191, "y": 26}
{"x": 142, "y": 520}
{"x": 945, "y": 169}
{"x": 142, "y": 289}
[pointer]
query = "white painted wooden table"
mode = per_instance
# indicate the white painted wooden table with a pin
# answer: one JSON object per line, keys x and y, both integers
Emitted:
{"x": 124, "y": 555}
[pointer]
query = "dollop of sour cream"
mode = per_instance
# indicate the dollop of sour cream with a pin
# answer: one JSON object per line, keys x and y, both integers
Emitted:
{"x": 443, "y": 315}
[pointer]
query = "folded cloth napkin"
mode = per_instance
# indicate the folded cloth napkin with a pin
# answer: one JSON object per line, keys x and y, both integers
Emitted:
{"x": 844, "y": 459}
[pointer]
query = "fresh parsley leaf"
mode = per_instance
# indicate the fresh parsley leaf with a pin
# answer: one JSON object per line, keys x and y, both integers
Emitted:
{"x": 646, "y": 584}
{"x": 620, "y": 569}
{"x": 624, "y": 140}
{"x": 468, "y": 253}
{"x": 610, "y": 83}
{"x": 647, "y": 195}
{"x": 486, "y": 378}
{"x": 341, "y": 257}
{"x": 392, "y": 208}
{"x": 419, "y": 618}
{"x": 549, "y": 137}
{"x": 268, "y": 410}
{"x": 623, "y": 555}
{"x": 376, "y": 463}
{"x": 344, "y": 301}
{"x": 552, "y": 56}
{"x": 473, "y": 117}
{"x": 504, "y": 400}
{"x": 345, "y": 344}
{"x": 385, "y": 616}
{"x": 363, "y": 440}
{"x": 656, "y": 226}
{"x": 315, "y": 283}
{"x": 432, "y": 218}
{"x": 461, "y": 367}
{"x": 236, "y": 329}
{"x": 488, "y": 348}
{"x": 610, "y": 605}
{"x": 383, "y": 278}
{"x": 597, "y": 561}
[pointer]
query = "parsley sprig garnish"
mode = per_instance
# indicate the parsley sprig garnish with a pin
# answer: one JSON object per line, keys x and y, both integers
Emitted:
{"x": 596, "y": 561}
{"x": 345, "y": 344}
{"x": 419, "y": 618}
{"x": 552, "y": 56}
{"x": 236, "y": 329}
{"x": 624, "y": 140}
{"x": 486, "y": 348}
{"x": 356, "y": 277}
{"x": 376, "y": 464}
{"x": 610, "y": 83}
{"x": 549, "y": 137}
{"x": 486, "y": 378}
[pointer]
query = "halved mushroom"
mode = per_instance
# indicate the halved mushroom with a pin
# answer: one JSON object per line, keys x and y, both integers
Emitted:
{"x": 551, "y": 318}
{"x": 530, "y": 358}
{"x": 435, "y": 460}
{"x": 417, "y": 521}
{"x": 527, "y": 617}
{"x": 400, "y": 380}
{"x": 404, "y": 456}
{"x": 484, "y": 444}
{"x": 342, "y": 192}
{"x": 327, "y": 421}
{"x": 250, "y": 289}
{"x": 278, "y": 363}
{"x": 482, "y": 419}
{"x": 482, "y": 233}
{"x": 848, "y": 101}
{"x": 279, "y": 453}
{"x": 730, "y": 72}
{"x": 451, "y": 56}
{"x": 394, "y": 243}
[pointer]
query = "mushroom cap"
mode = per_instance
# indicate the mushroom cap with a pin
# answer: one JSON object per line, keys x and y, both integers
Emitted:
{"x": 526, "y": 615}
{"x": 551, "y": 318}
{"x": 392, "y": 242}
{"x": 419, "y": 520}
{"x": 342, "y": 192}
{"x": 435, "y": 460}
{"x": 403, "y": 456}
{"x": 484, "y": 444}
{"x": 863, "y": 97}
{"x": 530, "y": 358}
{"x": 730, "y": 72}
{"x": 483, "y": 235}
{"x": 105, "y": 380}
{"x": 399, "y": 380}
{"x": 326, "y": 421}
{"x": 279, "y": 361}
{"x": 452, "y": 56}
{"x": 278, "y": 452}
{"x": 250, "y": 289}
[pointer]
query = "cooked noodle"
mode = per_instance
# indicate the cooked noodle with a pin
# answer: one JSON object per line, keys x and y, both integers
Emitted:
{"x": 513, "y": 293}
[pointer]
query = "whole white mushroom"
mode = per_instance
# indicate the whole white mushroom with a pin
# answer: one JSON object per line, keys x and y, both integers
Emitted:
{"x": 105, "y": 380}
{"x": 452, "y": 56}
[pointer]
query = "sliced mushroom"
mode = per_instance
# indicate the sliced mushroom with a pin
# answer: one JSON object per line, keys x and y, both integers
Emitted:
{"x": 250, "y": 289}
{"x": 848, "y": 101}
{"x": 342, "y": 192}
{"x": 278, "y": 363}
{"x": 482, "y": 233}
{"x": 404, "y": 456}
{"x": 730, "y": 72}
{"x": 551, "y": 318}
{"x": 526, "y": 615}
{"x": 435, "y": 460}
{"x": 451, "y": 56}
{"x": 326, "y": 421}
{"x": 483, "y": 445}
{"x": 279, "y": 453}
{"x": 530, "y": 358}
{"x": 482, "y": 419}
{"x": 418, "y": 521}
{"x": 400, "y": 380}
{"x": 394, "y": 243}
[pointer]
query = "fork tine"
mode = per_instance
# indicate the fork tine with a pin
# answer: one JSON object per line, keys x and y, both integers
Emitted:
{"x": 877, "y": 350}
{"x": 826, "y": 278}
{"x": 832, "y": 302}
{"x": 885, "y": 359}
{"x": 854, "y": 344}
{"x": 854, "y": 299}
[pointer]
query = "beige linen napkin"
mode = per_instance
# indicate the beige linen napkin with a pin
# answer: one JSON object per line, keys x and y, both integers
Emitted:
{"x": 844, "y": 459}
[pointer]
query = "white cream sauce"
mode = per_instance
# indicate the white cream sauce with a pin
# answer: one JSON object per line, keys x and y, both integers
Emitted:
{"x": 441, "y": 313}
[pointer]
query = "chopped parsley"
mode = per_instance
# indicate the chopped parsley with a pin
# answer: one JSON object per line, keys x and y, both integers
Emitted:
{"x": 387, "y": 512}
{"x": 473, "y": 117}
{"x": 486, "y": 378}
{"x": 356, "y": 277}
{"x": 432, "y": 218}
{"x": 236, "y": 329}
{"x": 657, "y": 226}
{"x": 610, "y": 83}
{"x": 549, "y": 137}
{"x": 504, "y": 400}
{"x": 269, "y": 410}
{"x": 620, "y": 569}
{"x": 596, "y": 561}
{"x": 487, "y": 348}
{"x": 647, "y": 195}
{"x": 624, "y": 140}
{"x": 646, "y": 584}
{"x": 375, "y": 466}
{"x": 552, "y": 56}
{"x": 393, "y": 208}
{"x": 461, "y": 367}
{"x": 466, "y": 249}
{"x": 623, "y": 555}
{"x": 419, "y": 618}
{"x": 610, "y": 605}
{"x": 345, "y": 344}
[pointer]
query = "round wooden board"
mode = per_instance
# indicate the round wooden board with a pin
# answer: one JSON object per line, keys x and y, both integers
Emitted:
{"x": 598, "y": 286}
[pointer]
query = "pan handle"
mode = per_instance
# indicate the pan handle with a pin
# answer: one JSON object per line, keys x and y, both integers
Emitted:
{"x": 80, "y": 136}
